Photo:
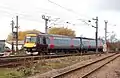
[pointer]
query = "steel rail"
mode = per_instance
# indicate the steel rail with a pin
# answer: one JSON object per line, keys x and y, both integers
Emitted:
{"x": 9, "y": 61}
{"x": 63, "y": 72}
{"x": 84, "y": 73}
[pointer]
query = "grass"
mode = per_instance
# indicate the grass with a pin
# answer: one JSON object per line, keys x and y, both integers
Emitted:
{"x": 10, "y": 73}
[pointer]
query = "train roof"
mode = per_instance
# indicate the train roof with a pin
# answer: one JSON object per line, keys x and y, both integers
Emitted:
{"x": 51, "y": 35}
{"x": 62, "y": 36}
{"x": 88, "y": 38}
{"x": 85, "y": 38}
{"x": 56, "y": 35}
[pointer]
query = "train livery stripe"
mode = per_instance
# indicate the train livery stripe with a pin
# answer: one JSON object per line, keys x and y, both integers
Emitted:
{"x": 89, "y": 44}
{"x": 51, "y": 42}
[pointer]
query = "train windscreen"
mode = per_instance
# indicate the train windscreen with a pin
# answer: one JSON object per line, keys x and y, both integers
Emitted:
{"x": 31, "y": 39}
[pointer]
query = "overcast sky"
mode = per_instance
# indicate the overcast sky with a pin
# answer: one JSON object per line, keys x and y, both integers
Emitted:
{"x": 31, "y": 11}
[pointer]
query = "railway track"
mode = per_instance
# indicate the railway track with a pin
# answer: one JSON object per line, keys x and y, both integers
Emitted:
{"x": 80, "y": 70}
{"x": 18, "y": 60}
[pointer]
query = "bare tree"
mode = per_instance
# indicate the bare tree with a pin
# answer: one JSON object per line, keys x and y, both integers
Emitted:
{"x": 113, "y": 38}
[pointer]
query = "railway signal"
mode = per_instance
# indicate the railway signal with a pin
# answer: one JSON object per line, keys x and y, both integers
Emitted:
{"x": 15, "y": 34}
{"x": 96, "y": 33}
{"x": 46, "y": 18}
{"x": 12, "y": 23}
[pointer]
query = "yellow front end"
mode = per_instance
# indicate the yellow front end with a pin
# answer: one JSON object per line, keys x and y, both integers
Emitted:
{"x": 28, "y": 35}
{"x": 30, "y": 43}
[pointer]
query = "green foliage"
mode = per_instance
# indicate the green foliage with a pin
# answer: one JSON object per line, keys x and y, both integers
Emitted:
{"x": 19, "y": 72}
{"x": 25, "y": 71}
{"x": 13, "y": 74}
{"x": 61, "y": 31}
{"x": 10, "y": 73}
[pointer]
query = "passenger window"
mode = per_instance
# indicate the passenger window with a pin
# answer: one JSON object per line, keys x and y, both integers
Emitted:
{"x": 47, "y": 40}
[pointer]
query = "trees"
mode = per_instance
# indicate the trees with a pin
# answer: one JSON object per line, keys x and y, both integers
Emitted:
{"x": 61, "y": 31}
{"x": 54, "y": 30}
{"x": 113, "y": 42}
{"x": 21, "y": 34}
{"x": 113, "y": 38}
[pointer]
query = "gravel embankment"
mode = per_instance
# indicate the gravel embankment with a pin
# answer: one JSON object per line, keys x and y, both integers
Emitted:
{"x": 111, "y": 70}
{"x": 58, "y": 63}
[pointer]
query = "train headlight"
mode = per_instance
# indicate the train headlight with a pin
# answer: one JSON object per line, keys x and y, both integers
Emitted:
{"x": 33, "y": 49}
{"x": 25, "y": 48}
{"x": 34, "y": 45}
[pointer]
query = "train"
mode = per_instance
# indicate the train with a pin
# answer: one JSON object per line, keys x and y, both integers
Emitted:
{"x": 4, "y": 47}
{"x": 42, "y": 43}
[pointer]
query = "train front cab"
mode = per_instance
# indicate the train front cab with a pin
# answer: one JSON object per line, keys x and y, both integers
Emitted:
{"x": 34, "y": 44}
{"x": 30, "y": 43}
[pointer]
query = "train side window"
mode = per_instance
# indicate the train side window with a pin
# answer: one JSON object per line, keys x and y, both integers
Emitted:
{"x": 48, "y": 40}
{"x": 0, "y": 49}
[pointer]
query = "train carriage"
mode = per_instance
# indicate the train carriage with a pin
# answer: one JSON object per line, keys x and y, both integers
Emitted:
{"x": 2, "y": 47}
{"x": 44, "y": 43}
{"x": 47, "y": 43}
{"x": 89, "y": 44}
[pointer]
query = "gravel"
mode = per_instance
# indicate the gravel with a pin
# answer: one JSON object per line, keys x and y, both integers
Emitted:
{"x": 111, "y": 70}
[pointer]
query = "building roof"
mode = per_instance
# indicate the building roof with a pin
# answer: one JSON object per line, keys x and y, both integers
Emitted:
{"x": 19, "y": 42}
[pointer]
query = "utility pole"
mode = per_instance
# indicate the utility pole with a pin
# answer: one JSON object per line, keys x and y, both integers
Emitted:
{"x": 12, "y": 23}
{"x": 16, "y": 33}
{"x": 96, "y": 33}
{"x": 46, "y": 22}
{"x": 106, "y": 34}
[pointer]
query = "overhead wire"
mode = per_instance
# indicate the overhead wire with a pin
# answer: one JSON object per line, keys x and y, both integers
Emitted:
{"x": 74, "y": 12}
{"x": 60, "y": 5}
{"x": 23, "y": 15}
{"x": 12, "y": 11}
{"x": 31, "y": 16}
{"x": 70, "y": 10}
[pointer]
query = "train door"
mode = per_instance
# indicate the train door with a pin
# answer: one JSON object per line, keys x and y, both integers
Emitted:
{"x": 44, "y": 40}
{"x": 42, "y": 45}
{"x": 81, "y": 45}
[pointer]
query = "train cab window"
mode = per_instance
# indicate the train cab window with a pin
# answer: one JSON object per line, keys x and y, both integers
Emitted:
{"x": 31, "y": 39}
{"x": 38, "y": 39}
